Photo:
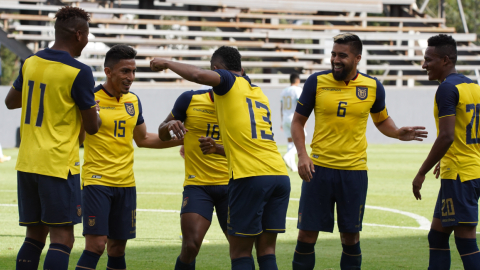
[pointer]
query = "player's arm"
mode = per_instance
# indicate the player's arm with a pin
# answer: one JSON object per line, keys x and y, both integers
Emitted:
{"x": 304, "y": 108}
{"x": 188, "y": 72}
{"x": 13, "y": 99}
{"x": 175, "y": 126}
{"x": 81, "y": 135}
{"x": 385, "y": 123}
{"x": 446, "y": 98}
{"x": 151, "y": 140}
{"x": 209, "y": 146}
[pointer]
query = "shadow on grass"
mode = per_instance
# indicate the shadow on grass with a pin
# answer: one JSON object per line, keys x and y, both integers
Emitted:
{"x": 408, "y": 252}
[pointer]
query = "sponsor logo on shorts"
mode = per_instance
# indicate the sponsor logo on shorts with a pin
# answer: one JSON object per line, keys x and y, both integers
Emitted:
{"x": 79, "y": 210}
{"x": 315, "y": 156}
{"x": 77, "y": 163}
{"x": 299, "y": 217}
{"x": 191, "y": 176}
{"x": 185, "y": 201}
{"x": 134, "y": 231}
{"x": 97, "y": 176}
{"x": 91, "y": 221}
{"x": 448, "y": 220}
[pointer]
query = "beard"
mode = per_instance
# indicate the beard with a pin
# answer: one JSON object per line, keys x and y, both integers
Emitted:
{"x": 341, "y": 76}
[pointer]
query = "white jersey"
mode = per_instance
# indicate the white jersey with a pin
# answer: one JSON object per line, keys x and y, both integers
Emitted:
{"x": 289, "y": 98}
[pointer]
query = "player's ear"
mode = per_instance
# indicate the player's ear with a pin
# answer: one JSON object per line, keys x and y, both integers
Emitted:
{"x": 108, "y": 72}
{"x": 358, "y": 58}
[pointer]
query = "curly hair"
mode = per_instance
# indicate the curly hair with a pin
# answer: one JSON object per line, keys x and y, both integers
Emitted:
{"x": 444, "y": 45}
{"x": 229, "y": 56}
{"x": 67, "y": 13}
{"x": 117, "y": 53}
{"x": 350, "y": 39}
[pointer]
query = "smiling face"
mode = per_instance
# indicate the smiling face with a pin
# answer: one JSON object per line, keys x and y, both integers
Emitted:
{"x": 121, "y": 76}
{"x": 434, "y": 64}
{"x": 344, "y": 62}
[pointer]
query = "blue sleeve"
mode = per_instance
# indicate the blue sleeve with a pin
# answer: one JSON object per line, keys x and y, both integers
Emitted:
{"x": 140, "y": 119}
{"x": 379, "y": 103}
{"x": 447, "y": 97}
{"x": 179, "y": 110}
{"x": 227, "y": 79}
{"x": 306, "y": 103}
{"x": 82, "y": 89}
{"x": 18, "y": 83}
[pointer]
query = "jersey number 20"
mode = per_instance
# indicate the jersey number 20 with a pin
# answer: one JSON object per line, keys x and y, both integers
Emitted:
{"x": 253, "y": 123}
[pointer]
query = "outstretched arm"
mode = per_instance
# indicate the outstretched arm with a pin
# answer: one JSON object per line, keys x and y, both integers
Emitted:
{"x": 188, "y": 72}
{"x": 444, "y": 140}
{"x": 389, "y": 129}
{"x": 151, "y": 140}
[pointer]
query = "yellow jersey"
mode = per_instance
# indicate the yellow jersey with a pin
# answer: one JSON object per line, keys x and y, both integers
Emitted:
{"x": 243, "y": 113}
{"x": 109, "y": 153}
{"x": 55, "y": 87}
{"x": 341, "y": 114}
{"x": 197, "y": 110}
{"x": 458, "y": 95}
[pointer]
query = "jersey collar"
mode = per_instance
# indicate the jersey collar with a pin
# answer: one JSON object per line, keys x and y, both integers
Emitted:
{"x": 354, "y": 78}
{"x": 210, "y": 94}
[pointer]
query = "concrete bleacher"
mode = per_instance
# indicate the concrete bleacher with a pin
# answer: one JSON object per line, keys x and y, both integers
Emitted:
{"x": 275, "y": 37}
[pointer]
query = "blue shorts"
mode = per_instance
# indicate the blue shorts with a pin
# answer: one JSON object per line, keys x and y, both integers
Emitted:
{"x": 202, "y": 199}
{"x": 457, "y": 202}
{"x": 258, "y": 204}
{"x": 347, "y": 189}
{"x": 110, "y": 211}
{"x": 48, "y": 200}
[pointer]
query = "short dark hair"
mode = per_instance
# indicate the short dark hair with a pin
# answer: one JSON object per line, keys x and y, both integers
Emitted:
{"x": 69, "y": 20}
{"x": 350, "y": 39}
{"x": 444, "y": 45}
{"x": 294, "y": 77}
{"x": 229, "y": 56}
{"x": 117, "y": 53}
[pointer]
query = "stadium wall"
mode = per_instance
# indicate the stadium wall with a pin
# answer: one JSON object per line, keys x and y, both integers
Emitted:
{"x": 405, "y": 106}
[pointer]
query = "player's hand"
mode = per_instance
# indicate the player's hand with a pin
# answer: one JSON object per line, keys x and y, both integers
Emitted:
{"x": 436, "y": 171}
{"x": 207, "y": 145}
{"x": 412, "y": 133}
{"x": 182, "y": 151}
{"x": 305, "y": 168}
{"x": 176, "y": 129}
{"x": 417, "y": 185}
{"x": 158, "y": 64}
{"x": 97, "y": 105}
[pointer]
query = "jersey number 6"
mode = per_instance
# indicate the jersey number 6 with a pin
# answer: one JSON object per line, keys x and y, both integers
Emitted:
{"x": 253, "y": 123}
{"x": 341, "y": 110}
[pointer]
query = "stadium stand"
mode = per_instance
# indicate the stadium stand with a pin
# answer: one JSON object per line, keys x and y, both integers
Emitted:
{"x": 274, "y": 37}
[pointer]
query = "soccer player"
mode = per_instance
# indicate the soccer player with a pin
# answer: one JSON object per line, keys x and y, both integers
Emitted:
{"x": 206, "y": 176}
{"x": 259, "y": 187}
{"x": 457, "y": 152}
{"x": 288, "y": 101}
{"x": 109, "y": 194}
{"x": 56, "y": 94}
{"x": 336, "y": 171}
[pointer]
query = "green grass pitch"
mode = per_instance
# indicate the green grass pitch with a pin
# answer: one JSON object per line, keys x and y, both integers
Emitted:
{"x": 397, "y": 244}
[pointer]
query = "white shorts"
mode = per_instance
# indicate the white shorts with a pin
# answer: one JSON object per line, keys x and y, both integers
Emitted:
{"x": 287, "y": 127}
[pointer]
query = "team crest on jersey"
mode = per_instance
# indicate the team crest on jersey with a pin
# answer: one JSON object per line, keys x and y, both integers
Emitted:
{"x": 362, "y": 92}
{"x": 185, "y": 201}
{"x": 91, "y": 221}
{"x": 130, "y": 109}
{"x": 79, "y": 210}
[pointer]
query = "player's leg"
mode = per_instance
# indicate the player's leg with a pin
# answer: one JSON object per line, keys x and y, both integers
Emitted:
{"x": 122, "y": 225}
{"x": 350, "y": 194}
{"x": 195, "y": 219}
{"x": 116, "y": 253}
{"x": 244, "y": 222}
{"x": 277, "y": 191}
{"x": 29, "y": 210}
{"x": 315, "y": 213}
{"x": 96, "y": 211}
{"x": 463, "y": 207}
{"x": 61, "y": 209}
{"x": 438, "y": 237}
{"x": 289, "y": 157}
{"x": 221, "y": 206}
